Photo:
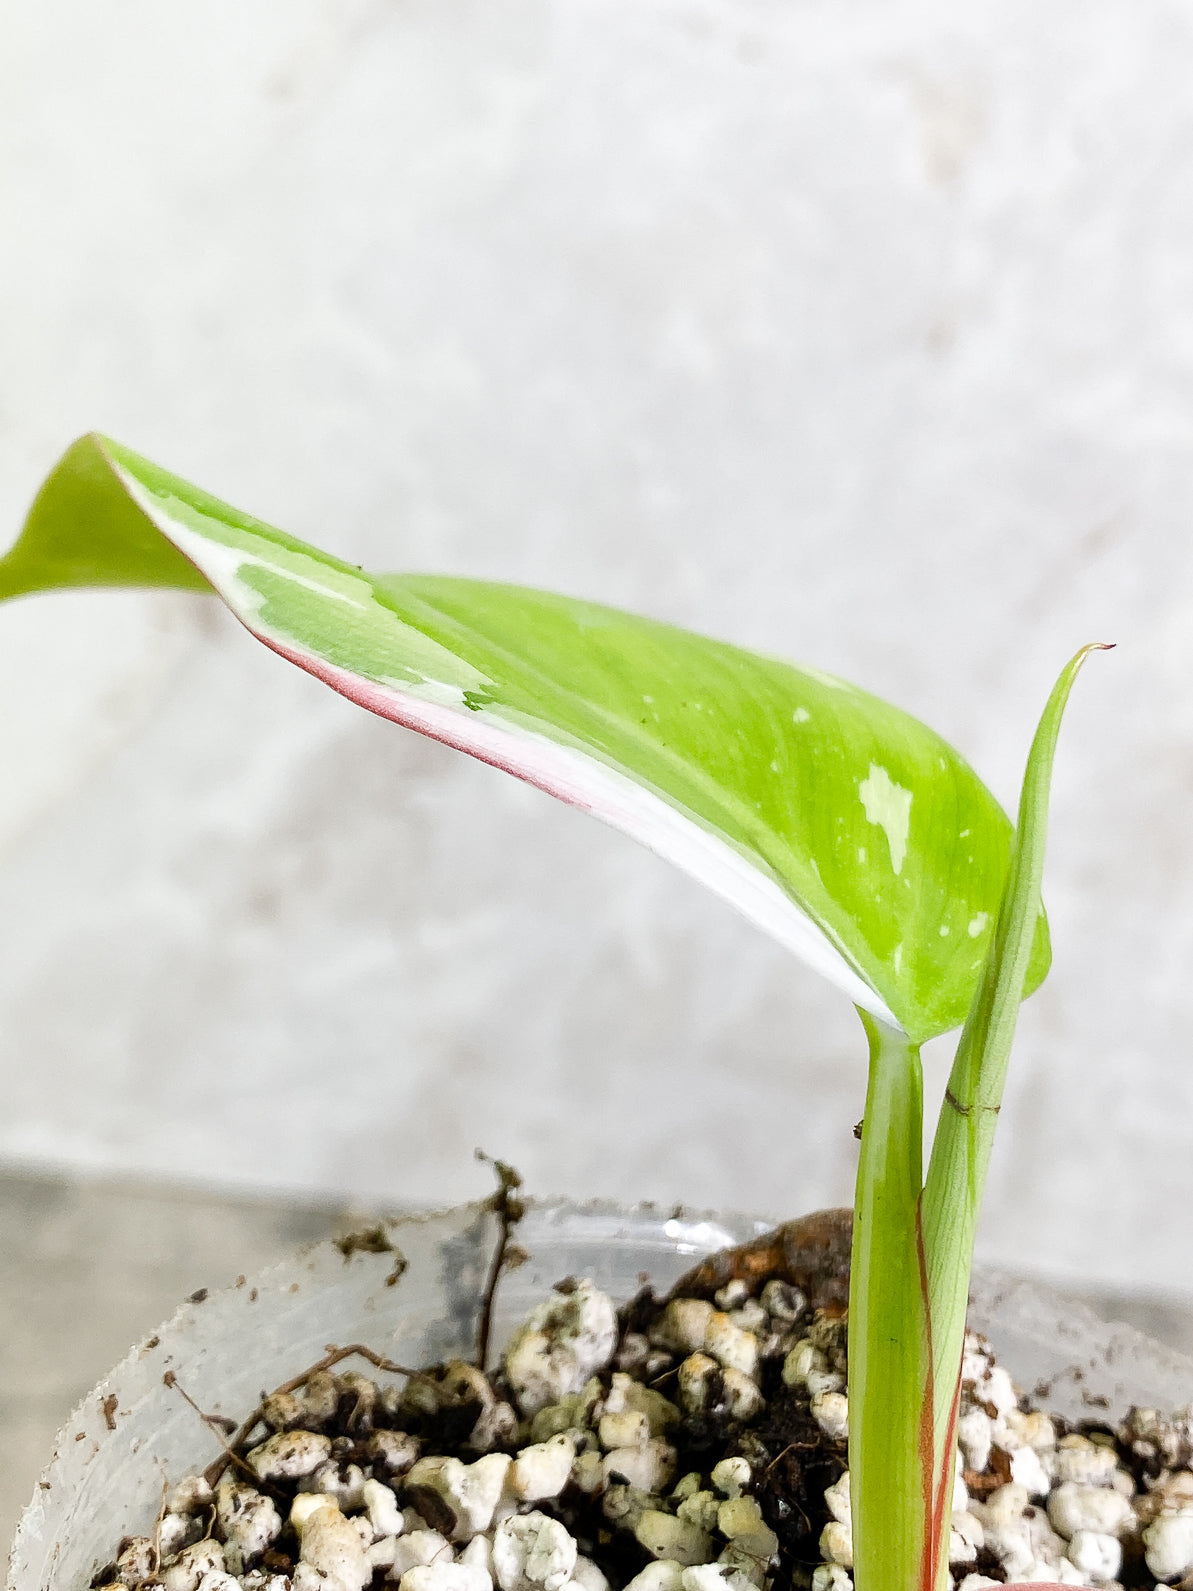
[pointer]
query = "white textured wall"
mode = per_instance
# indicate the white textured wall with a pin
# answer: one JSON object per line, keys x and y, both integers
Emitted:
{"x": 860, "y": 333}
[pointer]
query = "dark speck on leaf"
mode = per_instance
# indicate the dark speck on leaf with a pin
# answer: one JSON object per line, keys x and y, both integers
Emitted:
{"x": 198, "y": 1297}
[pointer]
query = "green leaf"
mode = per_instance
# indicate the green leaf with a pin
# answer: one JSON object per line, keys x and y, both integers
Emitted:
{"x": 85, "y": 530}
{"x": 843, "y": 827}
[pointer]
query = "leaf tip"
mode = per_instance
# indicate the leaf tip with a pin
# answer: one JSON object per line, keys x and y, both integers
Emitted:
{"x": 1077, "y": 661}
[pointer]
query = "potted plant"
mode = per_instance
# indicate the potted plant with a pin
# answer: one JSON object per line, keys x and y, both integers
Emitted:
{"x": 848, "y": 830}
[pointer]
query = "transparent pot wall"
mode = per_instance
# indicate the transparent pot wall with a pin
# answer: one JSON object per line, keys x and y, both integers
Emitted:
{"x": 133, "y": 1433}
{"x": 226, "y": 1350}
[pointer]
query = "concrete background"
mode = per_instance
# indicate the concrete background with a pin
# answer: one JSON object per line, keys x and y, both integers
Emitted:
{"x": 861, "y": 334}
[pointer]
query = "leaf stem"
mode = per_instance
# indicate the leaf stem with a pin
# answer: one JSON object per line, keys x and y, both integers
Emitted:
{"x": 890, "y": 1441}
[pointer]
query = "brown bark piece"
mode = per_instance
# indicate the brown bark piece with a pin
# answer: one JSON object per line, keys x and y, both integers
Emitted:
{"x": 811, "y": 1254}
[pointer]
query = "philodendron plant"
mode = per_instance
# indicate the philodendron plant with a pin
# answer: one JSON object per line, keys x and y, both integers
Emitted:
{"x": 845, "y": 828}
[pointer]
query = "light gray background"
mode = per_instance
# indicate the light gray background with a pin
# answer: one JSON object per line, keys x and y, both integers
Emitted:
{"x": 860, "y": 333}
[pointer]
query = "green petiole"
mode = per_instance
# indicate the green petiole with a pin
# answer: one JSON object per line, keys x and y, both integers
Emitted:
{"x": 889, "y": 1362}
{"x": 913, "y": 1245}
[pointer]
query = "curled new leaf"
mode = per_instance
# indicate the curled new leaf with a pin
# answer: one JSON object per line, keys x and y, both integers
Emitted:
{"x": 845, "y": 828}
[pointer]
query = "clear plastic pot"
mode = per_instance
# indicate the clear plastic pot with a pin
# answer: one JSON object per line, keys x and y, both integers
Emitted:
{"x": 133, "y": 1433}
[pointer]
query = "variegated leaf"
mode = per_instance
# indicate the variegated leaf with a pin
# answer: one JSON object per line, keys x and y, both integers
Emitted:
{"x": 839, "y": 824}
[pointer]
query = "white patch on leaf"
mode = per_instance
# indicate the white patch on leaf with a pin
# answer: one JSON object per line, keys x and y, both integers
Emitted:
{"x": 888, "y": 805}
{"x": 576, "y": 777}
{"x": 222, "y": 564}
{"x": 427, "y": 660}
{"x": 977, "y": 925}
{"x": 801, "y": 715}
